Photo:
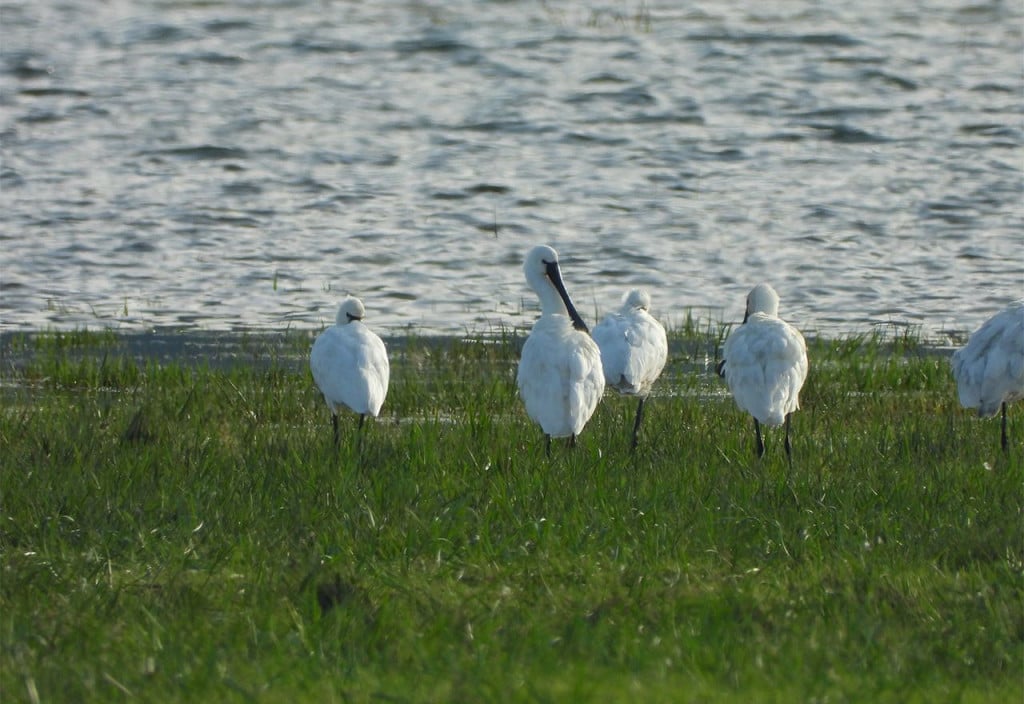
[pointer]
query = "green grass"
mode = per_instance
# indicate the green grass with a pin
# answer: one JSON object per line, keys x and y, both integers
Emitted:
{"x": 184, "y": 531}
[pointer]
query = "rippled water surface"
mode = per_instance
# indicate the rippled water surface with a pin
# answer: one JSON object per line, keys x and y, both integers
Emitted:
{"x": 224, "y": 165}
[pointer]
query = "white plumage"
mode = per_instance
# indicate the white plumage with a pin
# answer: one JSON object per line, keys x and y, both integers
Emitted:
{"x": 989, "y": 369}
{"x": 350, "y": 365}
{"x": 560, "y": 377}
{"x": 634, "y": 349}
{"x": 765, "y": 363}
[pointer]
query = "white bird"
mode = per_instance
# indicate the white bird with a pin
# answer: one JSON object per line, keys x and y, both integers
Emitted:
{"x": 560, "y": 377}
{"x": 989, "y": 369}
{"x": 764, "y": 362}
{"x": 634, "y": 349}
{"x": 350, "y": 365}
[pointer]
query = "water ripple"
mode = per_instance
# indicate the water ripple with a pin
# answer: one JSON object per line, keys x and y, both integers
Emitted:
{"x": 212, "y": 167}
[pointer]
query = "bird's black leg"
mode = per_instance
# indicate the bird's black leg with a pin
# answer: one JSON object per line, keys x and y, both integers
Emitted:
{"x": 359, "y": 434}
{"x": 547, "y": 445}
{"x": 789, "y": 449}
{"x": 760, "y": 441}
{"x": 334, "y": 422}
{"x": 571, "y": 442}
{"x": 636, "y": 423}
{"x": 1005, "y": 442}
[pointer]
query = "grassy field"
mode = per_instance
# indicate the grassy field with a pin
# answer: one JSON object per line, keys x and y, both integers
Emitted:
{"x": 182, "y": 530}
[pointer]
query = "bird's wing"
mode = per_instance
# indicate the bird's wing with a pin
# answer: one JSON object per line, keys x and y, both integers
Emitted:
{"x": 541, "y": 385}
{"x": 347, "y": 362}
{"x": 328, "y": 361}
{"x": 766, "y": 368}
{"x": 634, "y": 349}
{"x": 648, "y": 351}
{"x": 375, "y": 368}
{"x": 560, "y": 383}
{"x": 785, "y": 369}
{"x": 989, "y": 369}
{"x": 1013, "y": 348}
{"x": 610, "y": 336}
{"x": 586, "y": 382}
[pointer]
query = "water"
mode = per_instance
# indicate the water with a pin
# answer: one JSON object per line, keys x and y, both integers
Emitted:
{"x": 242, "y": 165}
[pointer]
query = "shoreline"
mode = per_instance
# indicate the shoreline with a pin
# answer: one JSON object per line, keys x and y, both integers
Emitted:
{"x": 221, "y": 349}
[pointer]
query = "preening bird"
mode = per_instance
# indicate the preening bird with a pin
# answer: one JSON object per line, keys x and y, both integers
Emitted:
{"x": 560, "y": 377}
{"x": 989, "y": 369}
{"x": 350, "y": 365}
{"x": 634, "y": 349}
{"x": 764, "y": 362}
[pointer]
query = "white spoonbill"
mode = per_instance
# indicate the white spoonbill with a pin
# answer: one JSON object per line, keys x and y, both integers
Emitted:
{"x": 989, "y": 369}
{"x": 350, "y": 365}
{"x": 633, "y": 350}
{"x": 764, "y": 362}
{"x": 560, "y": 377}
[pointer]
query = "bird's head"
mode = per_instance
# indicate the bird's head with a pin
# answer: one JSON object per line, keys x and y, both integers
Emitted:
{"x": 543, "y": 275}
{"x": 637, "y": 298}
{"x": 350, "y": 309}
{"x": 762, "y": 299}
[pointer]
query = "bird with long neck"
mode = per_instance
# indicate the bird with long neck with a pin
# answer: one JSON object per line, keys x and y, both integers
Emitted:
{"x": 560, "y": 378}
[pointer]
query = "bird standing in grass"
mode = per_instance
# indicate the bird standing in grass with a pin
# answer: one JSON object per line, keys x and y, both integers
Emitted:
{"x": 765, "y": 364}
{"x": 350, "y": 365}
{"x": 560, "y": 378}
{"x": 989, "y": 369}
{"x": 634, "y": 349}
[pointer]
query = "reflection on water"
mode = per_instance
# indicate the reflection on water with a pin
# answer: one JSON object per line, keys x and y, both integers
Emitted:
{"x": 221, "y": 166}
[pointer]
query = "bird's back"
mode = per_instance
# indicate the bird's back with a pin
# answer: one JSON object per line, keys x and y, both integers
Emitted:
{"x": 989, "y": 369}
{"x": 350, "y": 367}
{"x": 634, "y": 349}
{"x": 765, "y": 367}
{"x": 560, "y": 378}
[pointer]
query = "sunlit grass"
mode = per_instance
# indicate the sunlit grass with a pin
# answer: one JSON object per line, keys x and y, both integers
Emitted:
{"x": 184, "y": 530}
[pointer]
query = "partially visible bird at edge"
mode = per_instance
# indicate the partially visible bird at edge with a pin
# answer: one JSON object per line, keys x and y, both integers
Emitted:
{"x": 989, "y": 369}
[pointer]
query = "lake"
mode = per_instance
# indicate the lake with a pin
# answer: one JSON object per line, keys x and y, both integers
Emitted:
{"x": 225, "y": 166}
